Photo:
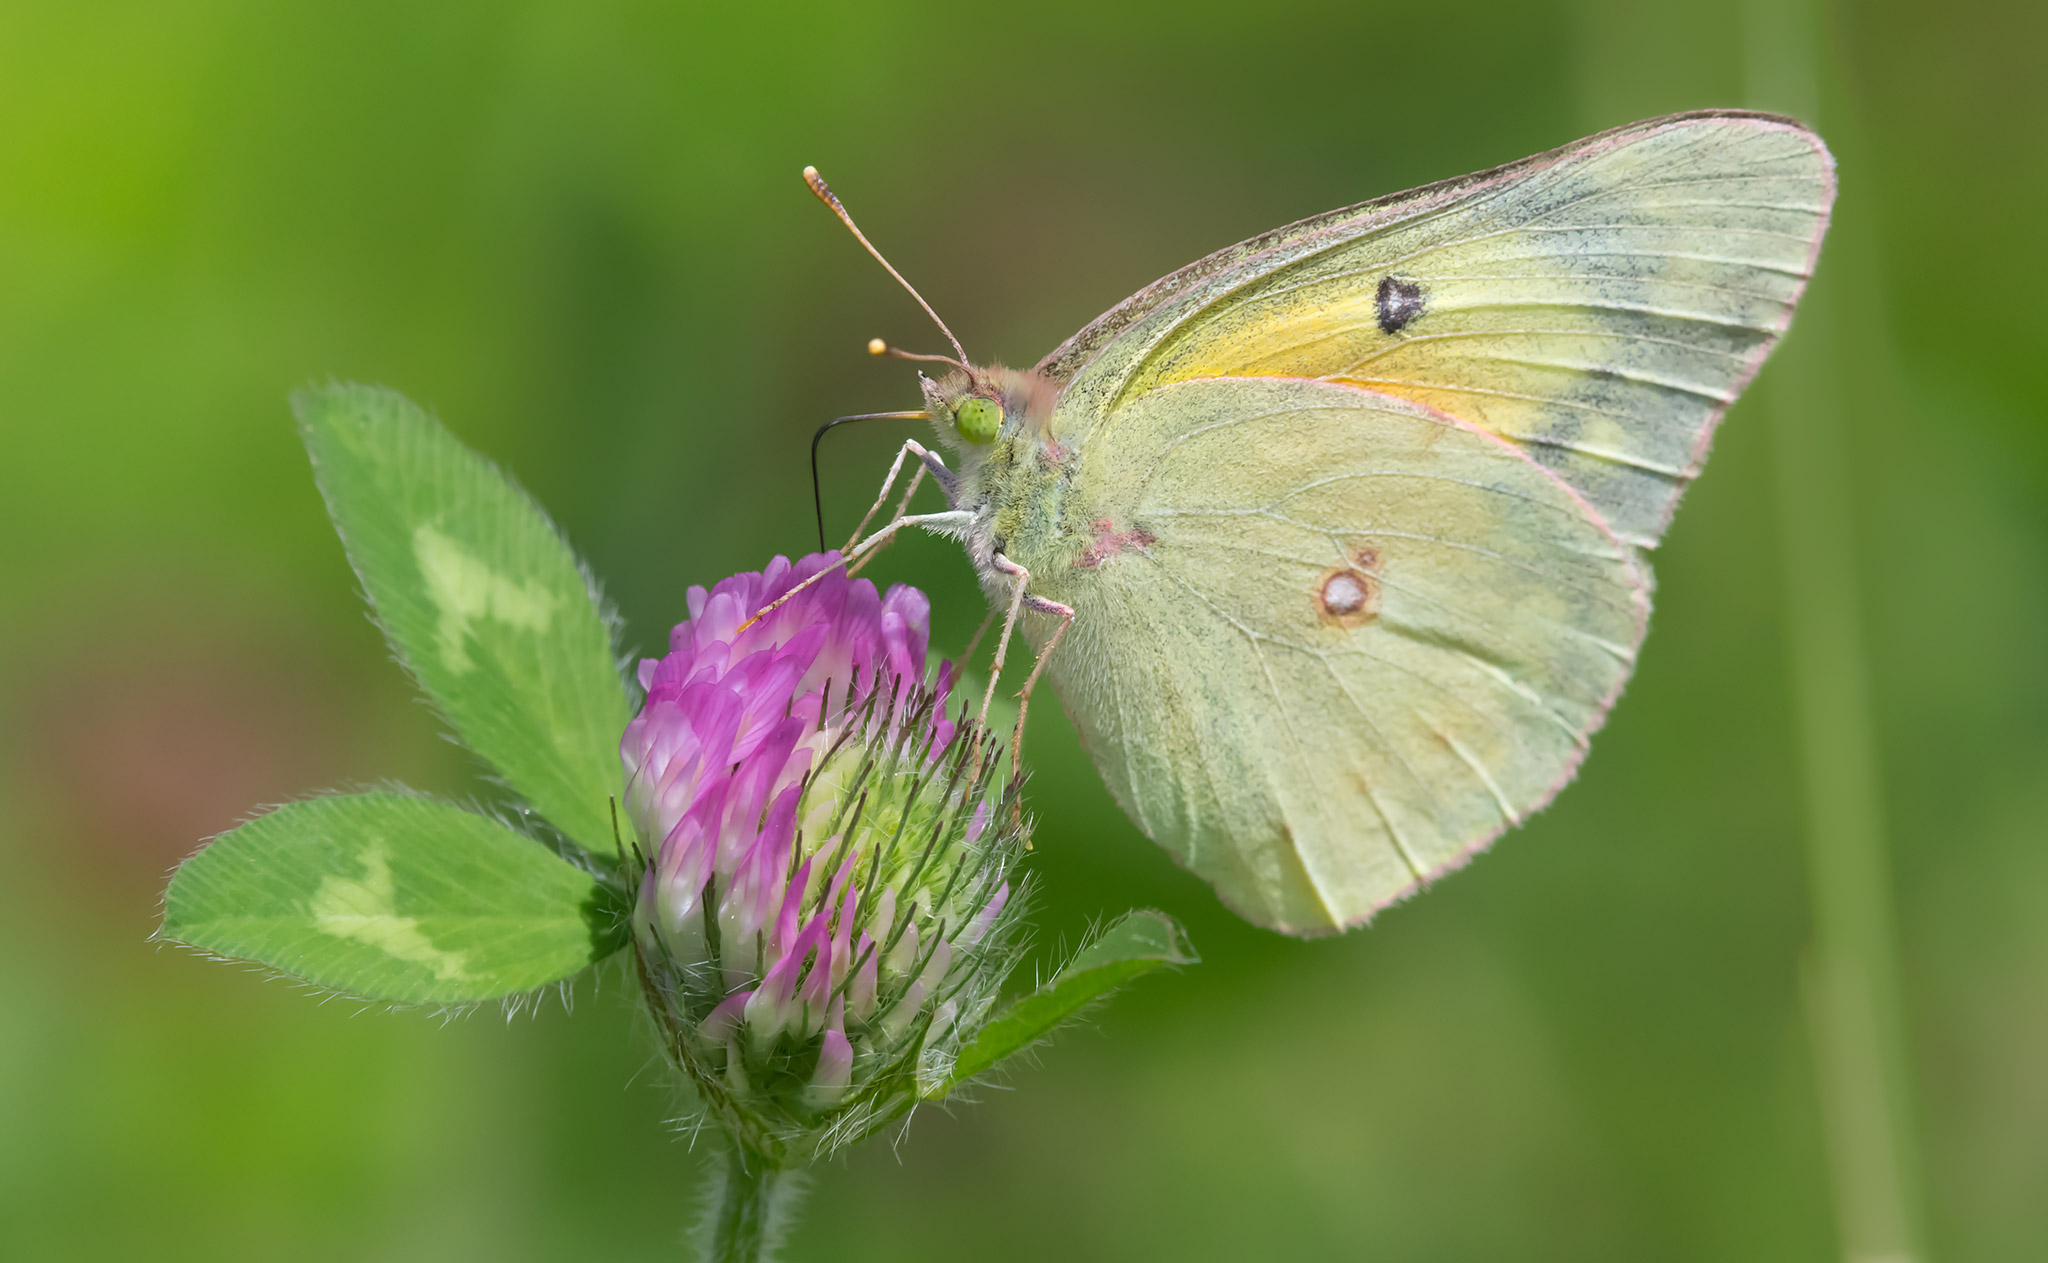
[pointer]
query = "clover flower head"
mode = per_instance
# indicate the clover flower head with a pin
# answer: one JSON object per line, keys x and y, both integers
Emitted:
{"x": 825, "y": 906}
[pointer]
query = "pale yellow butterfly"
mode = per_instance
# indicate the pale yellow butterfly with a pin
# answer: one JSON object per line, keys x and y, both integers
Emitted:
{"x": 1332, "y": 542}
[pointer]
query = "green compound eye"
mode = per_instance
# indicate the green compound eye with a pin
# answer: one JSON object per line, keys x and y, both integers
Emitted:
{"x": 978, "y": 420}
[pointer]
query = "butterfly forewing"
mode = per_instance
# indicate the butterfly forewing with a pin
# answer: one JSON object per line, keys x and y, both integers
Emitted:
{"x": 1352, "y": 639}
{"x": 1600, "y": 305}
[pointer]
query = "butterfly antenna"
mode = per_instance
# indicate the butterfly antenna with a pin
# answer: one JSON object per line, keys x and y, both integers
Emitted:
{"x": 878, "y": 347}
{"x": 826, "y": 195}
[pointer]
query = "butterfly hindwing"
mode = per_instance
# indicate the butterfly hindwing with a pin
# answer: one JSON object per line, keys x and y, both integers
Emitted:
{"x": 1600, "y": 305}
{"x": 1332, "y": 641}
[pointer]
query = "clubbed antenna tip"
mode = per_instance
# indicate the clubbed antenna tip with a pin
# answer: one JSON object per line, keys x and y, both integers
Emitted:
{"x": 824, "y": 193}
{"x": 878, "y": 347}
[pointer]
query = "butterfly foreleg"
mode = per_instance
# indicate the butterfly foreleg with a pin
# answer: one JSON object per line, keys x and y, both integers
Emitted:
{"x": 948, "y": 522}
{"x": 927, "y": 461}
{"x": 902, "y": 507}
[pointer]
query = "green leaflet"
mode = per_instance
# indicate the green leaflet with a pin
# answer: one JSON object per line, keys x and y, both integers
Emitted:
{"x": 388, "y": 896}
{"x": 1136, "y": 944}
{"x": 481, "y": 598}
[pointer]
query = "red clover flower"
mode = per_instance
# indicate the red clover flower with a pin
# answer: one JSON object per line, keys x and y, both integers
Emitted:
{"x": 825, "y": 910}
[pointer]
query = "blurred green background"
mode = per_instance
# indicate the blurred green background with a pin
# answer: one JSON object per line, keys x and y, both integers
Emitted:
{"x": 576, "y": 232}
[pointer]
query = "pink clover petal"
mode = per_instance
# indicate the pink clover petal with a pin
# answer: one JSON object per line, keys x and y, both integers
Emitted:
{"x": 860, "y": 995}
{"x": 725, "y": 1019}
{"x": 773, "y": 1003}
{"x": 816, "y": 990}
{"x": 757, "y": 886}
{"x": 684, "y": 864}
{"x": 842, "y": 932}
{"x": 935, "y": 969}
{"x": 785, "y": 935}
{"x": 906, "y": 618}
{"x": 835, "y": 1063}
{"x": 904, "y": 954}
{"x": 984, "y": 920}
{"x": 898, "y": 1019}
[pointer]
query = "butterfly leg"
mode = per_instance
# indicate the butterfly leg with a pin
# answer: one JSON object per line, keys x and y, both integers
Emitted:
{"x": 974, "y": 642}
{"x": 927, "y": 461}
{"x": 902, "y": 507}
{"x": 1065, "y": 613}
{"x": 1021, "y": 600}
{"x": 949, "y": 522}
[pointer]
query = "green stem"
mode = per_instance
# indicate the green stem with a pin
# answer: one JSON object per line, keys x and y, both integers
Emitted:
{"x": 752, "y": 1195}
{"x": 1850, "y": 974}
{"x": 748, "y": 1203}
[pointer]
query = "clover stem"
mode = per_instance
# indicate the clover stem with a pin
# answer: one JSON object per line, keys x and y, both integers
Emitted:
{"x": 748, "y": 1206}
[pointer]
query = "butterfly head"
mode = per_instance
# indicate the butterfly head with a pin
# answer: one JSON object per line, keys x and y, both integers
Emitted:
{"x": 974, "y": 408}
{"x": 978, "y": 406}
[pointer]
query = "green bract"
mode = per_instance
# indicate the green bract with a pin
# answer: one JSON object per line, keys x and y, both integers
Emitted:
{"x": 1135, "y": 944}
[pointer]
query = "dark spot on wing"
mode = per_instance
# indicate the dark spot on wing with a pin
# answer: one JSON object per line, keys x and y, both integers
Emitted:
{"x": 1348, "y": 597}
{"x": 1344, "y": 594}
{"x": 1400, "y": 302}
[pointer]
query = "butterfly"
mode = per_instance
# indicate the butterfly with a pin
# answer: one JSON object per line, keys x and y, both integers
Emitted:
{"x": 1333, "y": 543}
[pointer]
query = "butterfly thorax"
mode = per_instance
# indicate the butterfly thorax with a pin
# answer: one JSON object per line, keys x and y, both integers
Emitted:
{"x": 1017, "y": 479}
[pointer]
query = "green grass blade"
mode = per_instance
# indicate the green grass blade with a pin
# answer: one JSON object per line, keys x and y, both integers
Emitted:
{"x": 481, "y": 598}
{"x": 389, "y": 896}
{"x": 1135, "y": 945}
